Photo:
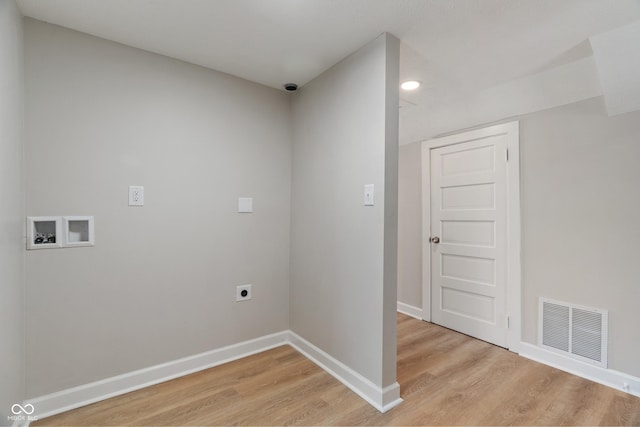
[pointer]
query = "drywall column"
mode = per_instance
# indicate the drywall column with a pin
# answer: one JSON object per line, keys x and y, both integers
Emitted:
{"x": 11, "y": 211}
{"x": 343, "y": 263}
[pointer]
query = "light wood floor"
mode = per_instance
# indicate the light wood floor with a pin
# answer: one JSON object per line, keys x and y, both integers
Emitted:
{"x": 446, "y": 378}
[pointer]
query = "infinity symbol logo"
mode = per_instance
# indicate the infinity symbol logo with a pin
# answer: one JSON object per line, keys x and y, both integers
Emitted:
{"x": 27, "y": 409}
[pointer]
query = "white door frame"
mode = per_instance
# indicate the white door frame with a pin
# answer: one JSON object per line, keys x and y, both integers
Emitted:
{"x": 514, "y": 306}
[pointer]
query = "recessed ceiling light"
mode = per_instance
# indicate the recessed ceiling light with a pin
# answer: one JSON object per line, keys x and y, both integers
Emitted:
{"x": 410, "y": 85}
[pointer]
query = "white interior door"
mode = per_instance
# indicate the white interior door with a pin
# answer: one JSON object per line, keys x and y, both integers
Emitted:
{"x": 468, "y": 234}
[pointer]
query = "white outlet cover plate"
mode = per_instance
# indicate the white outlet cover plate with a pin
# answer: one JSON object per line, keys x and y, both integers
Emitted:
{"x": 136, "y": 195}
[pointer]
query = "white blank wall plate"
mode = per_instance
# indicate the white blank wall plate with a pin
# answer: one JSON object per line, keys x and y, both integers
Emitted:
{"x": 245, "y": 204}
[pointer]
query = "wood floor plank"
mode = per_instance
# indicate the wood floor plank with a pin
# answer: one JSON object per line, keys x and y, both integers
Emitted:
{"x": 622, "y": 410}
{"x": 446, "y": 378}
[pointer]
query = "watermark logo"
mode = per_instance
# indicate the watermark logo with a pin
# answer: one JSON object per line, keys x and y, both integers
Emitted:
{"x": 18, "y": 409}
{"x": 22, "y": 412}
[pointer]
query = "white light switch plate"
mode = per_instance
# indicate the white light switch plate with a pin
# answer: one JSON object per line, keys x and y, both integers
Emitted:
{"x": 245, "y": 204}
{"x": 369, "y": 195}
{"x": 136, "y": 195}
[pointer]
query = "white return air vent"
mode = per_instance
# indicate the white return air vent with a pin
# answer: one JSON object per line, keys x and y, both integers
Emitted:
{"x": 575, "y": 331}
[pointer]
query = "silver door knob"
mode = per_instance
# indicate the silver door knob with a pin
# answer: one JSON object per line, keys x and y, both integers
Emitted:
{"x": 435, "y": 239}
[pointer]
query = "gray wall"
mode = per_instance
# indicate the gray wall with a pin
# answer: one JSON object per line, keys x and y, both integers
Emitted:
{"x": 12, "y": 328}
{"x": 580, "y": 209}
{"x": 410, "y": 225}
{"x": 345, "y": 136}
{"x": 160, "y": 282}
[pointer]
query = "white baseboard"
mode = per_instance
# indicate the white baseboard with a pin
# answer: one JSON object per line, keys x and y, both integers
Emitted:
{"x": 75, "y": 397}
{"x": 410, "y": 310}
{"x": 380, "y": 398}
{"x": 608, "y": 377}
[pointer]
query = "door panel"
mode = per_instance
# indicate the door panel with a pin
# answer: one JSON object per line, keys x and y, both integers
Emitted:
{"x": 473, "y": 269}
{"x": 476, "y": 159}
{"x": 468, "y": 215}
{"x": 476, "y": 306}
{"x": 472, "y": 233}
{"x": 469, "y": 196}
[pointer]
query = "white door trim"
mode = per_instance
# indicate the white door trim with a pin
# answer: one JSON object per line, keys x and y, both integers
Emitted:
{"x": 513, "y": 222}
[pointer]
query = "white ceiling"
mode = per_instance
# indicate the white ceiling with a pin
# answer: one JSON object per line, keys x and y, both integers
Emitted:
{"x": 455, "y": 47}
